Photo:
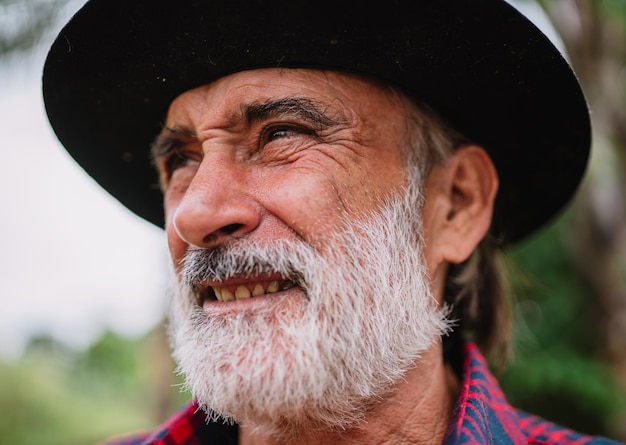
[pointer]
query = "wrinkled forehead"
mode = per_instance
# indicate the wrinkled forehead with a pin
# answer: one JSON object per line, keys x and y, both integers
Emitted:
{"x": 322, "y": 97}
{"x": 340, "y": 90}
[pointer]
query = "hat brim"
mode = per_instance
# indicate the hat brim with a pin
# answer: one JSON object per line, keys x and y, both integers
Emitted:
{"x": 117, "y": 65}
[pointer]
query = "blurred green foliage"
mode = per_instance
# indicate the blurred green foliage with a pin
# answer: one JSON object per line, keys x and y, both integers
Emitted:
{"x": 559, "y": 371}
{"x": 614, "y": 7}
{"x": 54, "y": 395}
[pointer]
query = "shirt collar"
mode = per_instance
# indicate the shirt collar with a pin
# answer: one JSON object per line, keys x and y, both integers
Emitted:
{"x": 482, "y": 414}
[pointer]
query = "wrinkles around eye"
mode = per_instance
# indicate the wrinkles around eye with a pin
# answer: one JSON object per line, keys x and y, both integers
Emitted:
{"x": 181, "y": 160}
{"x": 177, "y": 162}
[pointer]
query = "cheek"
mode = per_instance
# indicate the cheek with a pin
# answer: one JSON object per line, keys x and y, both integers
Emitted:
{"x": 308, "y": 203}
{"x": 315, "y": 201}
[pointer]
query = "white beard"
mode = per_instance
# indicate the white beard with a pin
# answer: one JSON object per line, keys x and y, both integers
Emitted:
{"x": 320, "y": 361}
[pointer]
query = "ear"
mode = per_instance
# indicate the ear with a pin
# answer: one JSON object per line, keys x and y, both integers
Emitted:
{"x": 458, "y": 205}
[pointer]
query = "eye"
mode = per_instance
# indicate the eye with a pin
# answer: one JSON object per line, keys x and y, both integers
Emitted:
{"x": 283, "y": 131}
{"x": 280, "y": 133}
{"x": 180, "y": 159}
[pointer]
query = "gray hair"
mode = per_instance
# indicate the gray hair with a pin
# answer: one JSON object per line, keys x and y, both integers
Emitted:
{"x": 475, "y": 290}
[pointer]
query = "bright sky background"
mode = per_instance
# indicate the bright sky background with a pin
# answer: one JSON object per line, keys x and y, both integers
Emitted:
{"x": 72, "y": 260}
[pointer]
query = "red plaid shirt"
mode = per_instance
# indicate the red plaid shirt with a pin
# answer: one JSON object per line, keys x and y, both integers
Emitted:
{"x": 481, "y": 416}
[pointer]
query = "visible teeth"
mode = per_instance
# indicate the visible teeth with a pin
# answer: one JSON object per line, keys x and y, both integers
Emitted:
{"x": 258, "y": 290}
{"x": 218, "y": 293}
{"x": 242, "y": 293}
{"x": 273, "y": 287}
{"x": 227, "y": 295}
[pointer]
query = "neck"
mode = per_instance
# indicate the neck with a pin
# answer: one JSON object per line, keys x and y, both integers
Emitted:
{"x": 416, "y": 411}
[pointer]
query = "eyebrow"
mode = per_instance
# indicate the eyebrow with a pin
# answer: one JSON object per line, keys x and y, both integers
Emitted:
{"x": 170, "y": 140}
{"x": 297, "y": 107}
{"x": 300, "y": 107}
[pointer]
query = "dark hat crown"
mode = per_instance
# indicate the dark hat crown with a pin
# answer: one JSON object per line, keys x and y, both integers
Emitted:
{"x": 117, "y": 65}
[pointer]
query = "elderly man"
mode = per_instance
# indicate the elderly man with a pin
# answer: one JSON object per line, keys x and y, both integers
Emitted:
{"x": 337, "y": 181}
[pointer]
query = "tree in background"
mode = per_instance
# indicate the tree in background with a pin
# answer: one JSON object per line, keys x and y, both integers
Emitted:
{"x": 24, "y": 22}
{"x": 594, "y": 33}
{"x": 577, "y": 316}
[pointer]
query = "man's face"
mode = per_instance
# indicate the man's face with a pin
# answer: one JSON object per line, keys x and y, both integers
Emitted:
{"x": 272, "y": 154}
{"x": 301, "y": 290}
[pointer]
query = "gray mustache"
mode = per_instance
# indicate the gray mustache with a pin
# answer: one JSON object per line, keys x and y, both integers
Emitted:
{"x": 221, "y": 263}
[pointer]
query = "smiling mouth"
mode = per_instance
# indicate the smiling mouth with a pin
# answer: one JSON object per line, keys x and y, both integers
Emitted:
{"x": 225, "y": 292}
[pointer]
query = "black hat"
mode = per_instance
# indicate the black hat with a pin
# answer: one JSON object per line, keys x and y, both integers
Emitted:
{"x": 116, "y": 66}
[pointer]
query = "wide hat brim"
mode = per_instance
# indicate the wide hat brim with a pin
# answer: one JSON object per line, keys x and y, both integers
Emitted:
{"x": 117, "y": 65}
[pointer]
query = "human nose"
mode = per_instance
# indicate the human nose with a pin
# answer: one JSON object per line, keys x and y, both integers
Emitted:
{"x": 215, "y": 207}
